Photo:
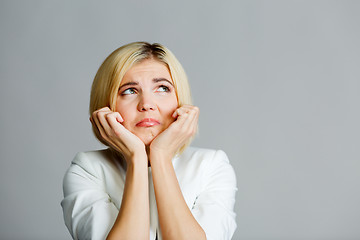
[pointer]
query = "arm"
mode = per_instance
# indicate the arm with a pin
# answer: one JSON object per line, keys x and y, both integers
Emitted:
{"x": 134, "y": 210}
{"x": 176, "y": 219}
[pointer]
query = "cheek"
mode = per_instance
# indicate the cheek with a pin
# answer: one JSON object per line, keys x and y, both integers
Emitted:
{"x": 128, "y": 121}
{"x": 169, "y": 108}
{"x": 170, "y": 104}
{"x": 125, "y": 114}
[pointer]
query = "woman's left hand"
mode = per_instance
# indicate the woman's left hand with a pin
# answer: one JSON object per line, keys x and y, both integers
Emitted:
{"x": 171, "y": 139}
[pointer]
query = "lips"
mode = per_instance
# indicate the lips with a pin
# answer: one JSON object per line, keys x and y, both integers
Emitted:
{"x": 148, "y": 122}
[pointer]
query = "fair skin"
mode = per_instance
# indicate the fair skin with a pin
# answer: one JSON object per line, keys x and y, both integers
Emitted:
{"x": 148, "y": 127}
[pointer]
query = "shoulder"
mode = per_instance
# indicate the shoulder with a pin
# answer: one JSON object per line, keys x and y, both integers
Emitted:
{"x": 89, "y": 158}
{"x": 203, "y": 155}
{"x": 94, "y": 162}
{"x": 215, "y": 163}
{"x": 204, "y": 160}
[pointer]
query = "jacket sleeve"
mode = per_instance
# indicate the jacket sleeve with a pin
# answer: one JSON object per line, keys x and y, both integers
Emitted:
{"x": 88, "y": 210}
{"x": 214, "y": 207}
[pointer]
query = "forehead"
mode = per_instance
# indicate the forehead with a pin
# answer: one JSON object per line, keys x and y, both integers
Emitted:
{"x": 147, "y": 69}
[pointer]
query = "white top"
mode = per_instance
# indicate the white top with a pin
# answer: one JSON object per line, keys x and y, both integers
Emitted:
{"x": 94, "y": 184}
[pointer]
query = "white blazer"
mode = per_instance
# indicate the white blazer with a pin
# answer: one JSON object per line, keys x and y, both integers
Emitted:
{"x": 94, "y": 183}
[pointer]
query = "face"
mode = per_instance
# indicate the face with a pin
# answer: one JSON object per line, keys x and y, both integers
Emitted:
{"x": 147, "y": 99}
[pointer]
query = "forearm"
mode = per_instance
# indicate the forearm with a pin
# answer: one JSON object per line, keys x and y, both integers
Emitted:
{"x": 133, "y": 218}
{"x": 176, "y": 219}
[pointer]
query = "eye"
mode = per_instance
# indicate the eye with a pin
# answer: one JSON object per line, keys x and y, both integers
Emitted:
{"x": 163, "y": 88}
{"x": 129, "y": 91}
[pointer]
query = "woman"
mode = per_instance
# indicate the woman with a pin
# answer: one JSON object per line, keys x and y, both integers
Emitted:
{"x": 148, "y": 184}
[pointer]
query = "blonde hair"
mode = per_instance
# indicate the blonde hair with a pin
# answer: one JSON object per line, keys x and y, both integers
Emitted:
{"x": 105, "y": 87}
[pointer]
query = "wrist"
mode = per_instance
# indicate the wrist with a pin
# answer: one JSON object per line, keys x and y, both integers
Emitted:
{"x": 160, "y": 157}
{"x": 160, "y": 152}
{"x": 138, "y": 159}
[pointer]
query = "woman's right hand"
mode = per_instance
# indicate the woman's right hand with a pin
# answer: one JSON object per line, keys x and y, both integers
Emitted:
{"x": 108, "y": 124}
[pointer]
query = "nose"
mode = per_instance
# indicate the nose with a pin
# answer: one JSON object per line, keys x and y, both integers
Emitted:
{"x": 146, "y": 103}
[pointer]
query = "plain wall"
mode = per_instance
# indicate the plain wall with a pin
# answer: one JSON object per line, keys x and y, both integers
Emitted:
{"x": 277, "y": 83}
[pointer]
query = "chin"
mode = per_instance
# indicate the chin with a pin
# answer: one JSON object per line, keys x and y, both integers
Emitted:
{"x": 147, "y": 139}
{"x": 147, "y": 136}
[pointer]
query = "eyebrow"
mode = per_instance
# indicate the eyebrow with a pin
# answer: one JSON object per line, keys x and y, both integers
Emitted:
{"x": 129, "y": 84}
{"x": 155, "y": 80}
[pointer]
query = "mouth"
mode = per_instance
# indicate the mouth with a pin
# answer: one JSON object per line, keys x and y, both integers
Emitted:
{"x": 148, "y": 122}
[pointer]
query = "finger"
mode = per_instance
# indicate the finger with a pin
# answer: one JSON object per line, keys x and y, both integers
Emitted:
{"x": 175, "y": 114}
{"x": 93, "y": 115}
{"x": 119, "y": 117}
{"x": 109, "y": 121}
{"x": 191, "y": 121}
{"x": 186, "y": 122}
{"x": 114, "y": 119}
{"x": 98, "y": 115}
{"x": 187, "y": 111}
{"x": 106, "y": 109}
{"x": 117, "y": 130}
{"x": 195, "y": 121}
{"x": 181, "y": 111}
{"x": 101, "y": 123}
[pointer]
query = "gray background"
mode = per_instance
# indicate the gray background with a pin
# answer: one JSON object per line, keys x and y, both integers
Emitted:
{"x": 277, "y": 83}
